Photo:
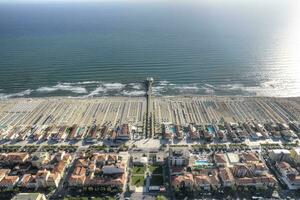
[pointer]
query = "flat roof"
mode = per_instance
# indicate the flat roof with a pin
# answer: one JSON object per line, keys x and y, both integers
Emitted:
{"x": 27, "y": 196}
{"x": 277, "y": 151}
{"x": 233, "y": 157}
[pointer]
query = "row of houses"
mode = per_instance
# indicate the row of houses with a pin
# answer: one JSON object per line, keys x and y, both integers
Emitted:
{"x": 39, "y": 170}
{"x": 101, "y": 170}
{"x": 287, "y": 164}
{"x": 214, "y": 171}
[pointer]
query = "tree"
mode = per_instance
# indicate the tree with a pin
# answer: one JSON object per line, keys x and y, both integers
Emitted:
{"x": 161, "y": 197}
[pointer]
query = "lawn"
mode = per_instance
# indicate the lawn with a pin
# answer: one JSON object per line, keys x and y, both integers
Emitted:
{"x": 155, "y": 169}
{"x": 138, "y": 181}
{"x": 156, "y": 180}
{"x": 139, "y": 170}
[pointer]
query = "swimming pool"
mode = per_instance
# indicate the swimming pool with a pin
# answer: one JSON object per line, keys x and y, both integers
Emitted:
{"x": 201, "y": 162}
{"x": 210, "y": 129}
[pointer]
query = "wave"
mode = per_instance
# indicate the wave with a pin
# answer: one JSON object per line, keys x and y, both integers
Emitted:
{"x": 133, "y": 93}
{"x": 136, "y": 86}
{"x": 114, "y": 86}
{"x": 99, "y": 88}
{"x": 163, "y": 83}
{"x": 18, "y": 94}
{"x": 63, "y": 87}
{"x": 182, "y": 88}
{"x": 96, "y": 91}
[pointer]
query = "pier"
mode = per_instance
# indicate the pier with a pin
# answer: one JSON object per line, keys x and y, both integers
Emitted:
{"x": 149, "y": 110}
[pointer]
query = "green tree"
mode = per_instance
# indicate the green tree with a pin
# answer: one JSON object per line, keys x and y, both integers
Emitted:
{"x": 161, "y": 197}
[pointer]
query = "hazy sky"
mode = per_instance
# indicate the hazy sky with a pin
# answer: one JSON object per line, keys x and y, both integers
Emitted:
{"x": 55, "y": 1}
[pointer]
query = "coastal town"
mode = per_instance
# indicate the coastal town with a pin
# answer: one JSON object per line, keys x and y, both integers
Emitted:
{"x": 198, "y": 147}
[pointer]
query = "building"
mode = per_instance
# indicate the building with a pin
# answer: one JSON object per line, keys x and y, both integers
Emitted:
{"x": 194, "y": 134}
{"x": 207, "y": 179}
{"x": 139, "y": 159}
{"x": 249, "y": 157}
{"x": 280, "y": 155}
{"x": 29, "y": 196}
{"x": 159, "y": 158}
{"x": 114, "y": 169}
{"x": 9, "y": 181}
{"x": 295, "y": 154}
{"x": 28, "y": 181}
{"x": 226, "y": 177}
{"x": 124, "y": 132}
{"x": 185, "y": 180}
{"x": 14, "y": 158}
{"x": 289, "y": 175}
{"x": 233, "y": 158}
{"x": 78, "y": 176}
{"x": 179, "y": 157}
{"x": 168, "y": 133}
{"x": 39, "y": 159}
{"x": 220, "y": 159}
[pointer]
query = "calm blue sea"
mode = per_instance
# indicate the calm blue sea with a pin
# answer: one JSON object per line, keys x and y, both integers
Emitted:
{"x": 203, "y": 47}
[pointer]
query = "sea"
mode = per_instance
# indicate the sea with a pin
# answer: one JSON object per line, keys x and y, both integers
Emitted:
{"x": 109, "y": 47}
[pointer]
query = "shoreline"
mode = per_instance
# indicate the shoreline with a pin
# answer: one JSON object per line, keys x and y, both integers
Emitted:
{"x": 155, "y": 97}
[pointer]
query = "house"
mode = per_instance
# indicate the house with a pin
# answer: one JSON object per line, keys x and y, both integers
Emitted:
{"x": 28, "y": 181}
{"x": 249, "y": 157}
{"x": 194, "y": 134}
{"x": 114, "y": 169}
{"x": 29, "y": 196}
{"x": 42, "y": 177}
{"x": 179, "y": 157}
{"x": 185, "y": 180}
{"x": 289, "y": 175}
{"x": 280, "y": 155}
{"x": 226, "y": 177}
{"x": 207, "y": 179}
{"x": 99, "y": 158}
{"x": 139, "y": 159}
{"x": 220, "y": 159}
{"x": 9, "y": 181}
{"x": 111, "y": 159}
{"x": 159, "y": 158}
{"x": 179, "y": 132}
{"x": 124, "y": 132}
{"x": 78, "y": 176}
{"x": 39, "y": 159}
{"x": 3, "y": 173}
{"x": 258, "y": 182}
{"x": 295, "y": 154}
{"x": 14, "y": 158}
{"x": 53, "y": 180}
{"x": 168, "y": 133}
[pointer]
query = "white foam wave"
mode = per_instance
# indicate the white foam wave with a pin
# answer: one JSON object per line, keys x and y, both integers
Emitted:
{"x": 163, "y": 83}
{"x": 136, "y": 86}
{"x": 133, "y": 93}
{"x": 18, "y": 94}
{"x": 232, "y": 87}
{"x": 182, "y": 88}
{"x": 208, "y": 90}
{"x": 87, "y": 82}
{"x": 63, "y": 87}
{"x": 209, "y": 86}
{"x": 97, "y": 91}
{"x": 114, "y": 86}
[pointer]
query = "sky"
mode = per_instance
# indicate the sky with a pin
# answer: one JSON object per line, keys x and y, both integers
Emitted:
{"x": 54, "y": 1}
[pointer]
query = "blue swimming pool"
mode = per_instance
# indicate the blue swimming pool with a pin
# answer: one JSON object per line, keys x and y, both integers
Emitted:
{"x": 201, "y": 162}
